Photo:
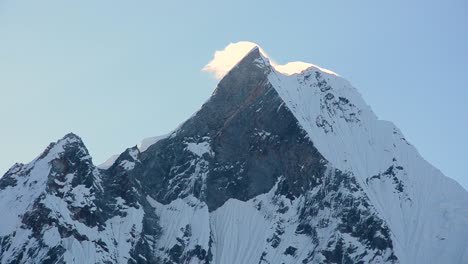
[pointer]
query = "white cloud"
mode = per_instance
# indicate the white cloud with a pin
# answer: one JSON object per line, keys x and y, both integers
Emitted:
{"x": 298, "y": 66}
{"x": 224, "y": 60}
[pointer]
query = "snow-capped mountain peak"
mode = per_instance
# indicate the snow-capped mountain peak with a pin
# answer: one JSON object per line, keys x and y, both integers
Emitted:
{"x": 283, "y": 164}
{"x": 226, "y": 59}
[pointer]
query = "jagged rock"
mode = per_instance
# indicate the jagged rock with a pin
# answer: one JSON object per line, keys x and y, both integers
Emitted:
{"x": 274, "y": 168}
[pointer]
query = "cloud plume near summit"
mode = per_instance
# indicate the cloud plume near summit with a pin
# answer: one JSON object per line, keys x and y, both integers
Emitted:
{"x": 224, "y": 60}
{"x": 227, "y": 58}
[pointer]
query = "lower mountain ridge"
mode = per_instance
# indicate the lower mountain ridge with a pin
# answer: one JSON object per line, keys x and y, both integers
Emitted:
{"x": 274, "y": 168}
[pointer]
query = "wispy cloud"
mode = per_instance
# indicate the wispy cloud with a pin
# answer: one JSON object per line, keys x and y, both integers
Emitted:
{"x": 224, "y": 60}
{"x": 227, "y": 58}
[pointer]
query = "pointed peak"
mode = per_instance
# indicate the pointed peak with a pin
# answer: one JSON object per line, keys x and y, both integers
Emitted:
{"x": 256, "y": 52}
{"x": 236, "y": 53}
{"x": 231, "y": 56}
{"x": 253, "y": 57}
{"x": 69, "y": 143}
{"x": 71, "y": 137}
{"x": 126, "y": 160}
{"x": 13, "y": 170}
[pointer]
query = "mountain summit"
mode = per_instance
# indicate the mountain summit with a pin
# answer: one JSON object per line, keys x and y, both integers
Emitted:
{"x": 226, "y": 59}
{"x": 283, "y": 164}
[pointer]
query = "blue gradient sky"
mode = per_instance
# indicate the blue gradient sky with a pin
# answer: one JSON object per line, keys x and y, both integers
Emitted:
{"x": 115, "y": 72}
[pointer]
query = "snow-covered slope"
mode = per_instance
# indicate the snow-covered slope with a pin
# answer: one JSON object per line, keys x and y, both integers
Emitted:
{"x": 283, "y": 164}
{"x": 426, "y": 211}
{"x": 55, "y": 206}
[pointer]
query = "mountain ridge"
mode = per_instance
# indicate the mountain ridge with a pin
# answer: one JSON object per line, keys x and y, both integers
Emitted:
{"x": 274, "y": 168}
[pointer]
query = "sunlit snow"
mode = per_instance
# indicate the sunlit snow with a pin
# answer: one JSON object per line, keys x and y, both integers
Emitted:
{"x": 224, "y": 60}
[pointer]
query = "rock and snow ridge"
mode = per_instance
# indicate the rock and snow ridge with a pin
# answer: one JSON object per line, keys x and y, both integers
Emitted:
{"x": 349, "y": 135}
{"x": 226, "y": 59}
{"x": 283, "y": 164}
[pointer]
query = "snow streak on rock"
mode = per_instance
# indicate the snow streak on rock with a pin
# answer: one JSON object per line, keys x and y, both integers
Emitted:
{"x": 283, "y": 164}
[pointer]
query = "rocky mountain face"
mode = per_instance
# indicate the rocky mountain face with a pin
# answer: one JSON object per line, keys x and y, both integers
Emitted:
{"x": 273, "y": 168}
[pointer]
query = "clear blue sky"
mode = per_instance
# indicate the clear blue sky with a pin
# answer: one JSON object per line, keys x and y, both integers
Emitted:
{"x": 115, "y": 72}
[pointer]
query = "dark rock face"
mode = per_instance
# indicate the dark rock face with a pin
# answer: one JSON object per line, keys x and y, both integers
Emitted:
{"x": 250, "y": 151}
{"x": 242, "y": 143}
{"x": 341, "y": 195}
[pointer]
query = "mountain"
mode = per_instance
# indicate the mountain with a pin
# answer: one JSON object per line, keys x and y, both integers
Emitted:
{"x": 276, "y": 167}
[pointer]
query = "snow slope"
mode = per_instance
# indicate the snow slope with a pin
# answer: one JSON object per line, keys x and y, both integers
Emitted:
{"x": 283, "y": 164}
{"x": 427, "y": 212}
{"x": 45, "y": 199}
